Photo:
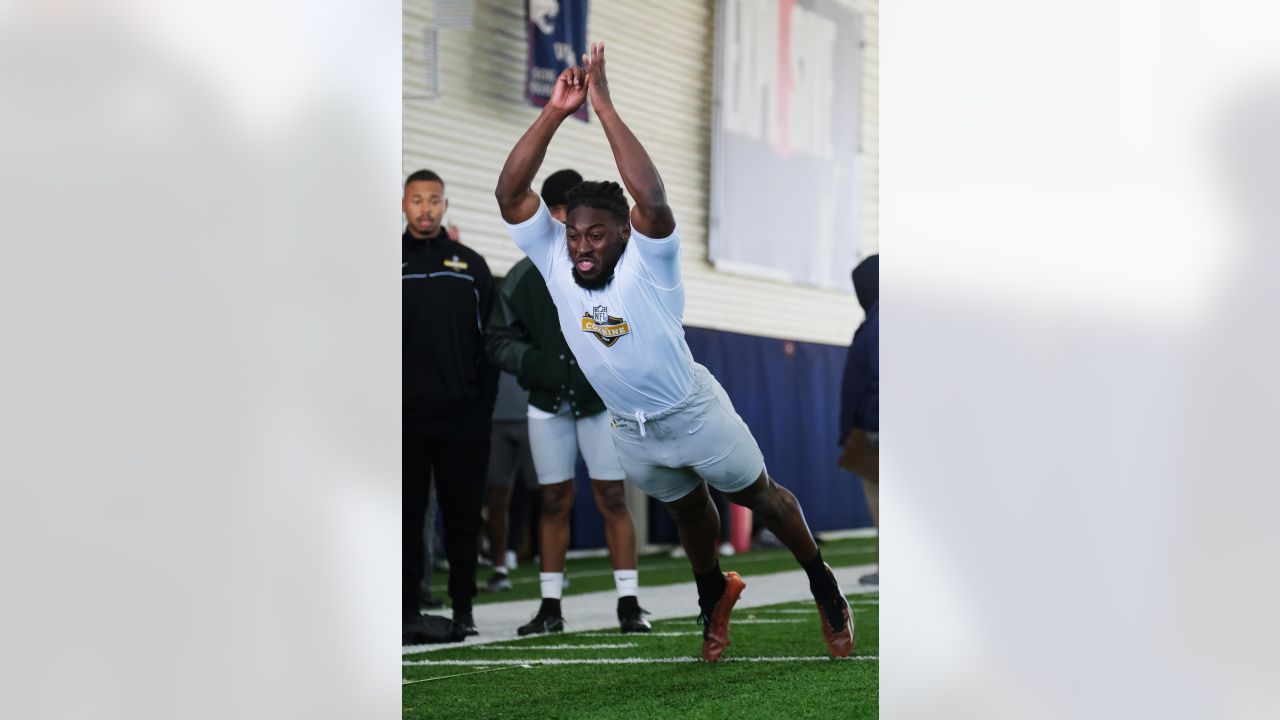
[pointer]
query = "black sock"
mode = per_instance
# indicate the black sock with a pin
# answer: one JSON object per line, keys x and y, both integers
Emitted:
{"x": 628, "y": 603}
{"x": 710, "y": 588}
{"x": 550, "y": 606}
{"x": 821, "y": 584}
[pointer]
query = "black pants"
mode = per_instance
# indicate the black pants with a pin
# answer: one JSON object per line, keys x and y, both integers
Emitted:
{"x": 459, "y": 466}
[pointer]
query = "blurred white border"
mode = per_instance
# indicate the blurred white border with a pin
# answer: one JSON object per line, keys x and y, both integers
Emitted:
{"x": 201, "y": 369}
{"x": 1076, "y": 205}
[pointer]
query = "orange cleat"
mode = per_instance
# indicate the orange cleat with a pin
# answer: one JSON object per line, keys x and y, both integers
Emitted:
{"x": 835, "y": 614}
{"x": 715, "y": 627}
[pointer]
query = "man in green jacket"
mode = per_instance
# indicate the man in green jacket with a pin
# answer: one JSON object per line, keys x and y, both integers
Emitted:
{"x": 566, "y": 417}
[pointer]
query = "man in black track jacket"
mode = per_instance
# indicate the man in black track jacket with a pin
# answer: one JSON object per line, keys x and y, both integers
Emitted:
{"x": 449, "y": 386}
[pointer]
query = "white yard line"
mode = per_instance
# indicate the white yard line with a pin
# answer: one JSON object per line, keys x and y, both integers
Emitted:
{"x": 783, "y": 611}
{"x": 473, "y": 672}
{"x": 636, "y": 661}
{"x": 565, "y": 646}
{"x": 655, "y": 633}
{"x": 764, "y": 621}
{"x": 804, "y": 611}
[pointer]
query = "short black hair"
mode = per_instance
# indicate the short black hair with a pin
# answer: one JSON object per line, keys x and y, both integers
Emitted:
{"x": 557, "y": 185}
{"x": 423, "y": 176}
{"x": 602, "y": 195}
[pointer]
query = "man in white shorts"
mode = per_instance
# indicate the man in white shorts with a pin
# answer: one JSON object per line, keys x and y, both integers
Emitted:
{"x": 565, "y": 416}
{"x": 619, "y": 299}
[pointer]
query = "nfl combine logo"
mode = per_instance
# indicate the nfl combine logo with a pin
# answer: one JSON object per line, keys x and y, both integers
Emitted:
{"x": 607, "y": 328}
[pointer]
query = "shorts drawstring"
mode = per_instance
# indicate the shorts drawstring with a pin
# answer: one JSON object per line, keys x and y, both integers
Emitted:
{"x": 640, "y": 419}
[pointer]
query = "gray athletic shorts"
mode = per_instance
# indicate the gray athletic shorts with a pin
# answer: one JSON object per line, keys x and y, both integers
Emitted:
{"x": 509, "y": 455}
{"x": 699, "y": 438}
{"x": 556, "y": 441}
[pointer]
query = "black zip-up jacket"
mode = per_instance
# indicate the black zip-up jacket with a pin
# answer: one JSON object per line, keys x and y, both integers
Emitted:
{"x": 449, "y": 383}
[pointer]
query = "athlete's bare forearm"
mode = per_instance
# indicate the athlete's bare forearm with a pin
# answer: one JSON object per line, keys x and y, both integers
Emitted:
{"x": 638, "y": 172}
{"x": 516, "y": 198}
{"x": 651, "y": 215}
{"x": 514, "y": 191}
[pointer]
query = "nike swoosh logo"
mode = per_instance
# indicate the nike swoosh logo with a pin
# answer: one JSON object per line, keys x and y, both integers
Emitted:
{"x": 404, "y": 265}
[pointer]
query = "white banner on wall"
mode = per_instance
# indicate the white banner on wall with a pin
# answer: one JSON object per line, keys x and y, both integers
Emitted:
{"x": 784, "y": 189}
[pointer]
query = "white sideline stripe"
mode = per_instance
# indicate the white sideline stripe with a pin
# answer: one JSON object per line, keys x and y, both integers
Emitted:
{"x": 798, "y": 611}
{"x": 638, "y": 661}
{"x": 782, "y": 611}
{"x": 749, "y": 621}
{"x": 597, "y": 646}
{"x": 473, "y": 672}
{"x": 594, "y": 612}
{"x": 414, "y": 649}
{"x": 683, "y": 633}
{"x": 411, "y": 649}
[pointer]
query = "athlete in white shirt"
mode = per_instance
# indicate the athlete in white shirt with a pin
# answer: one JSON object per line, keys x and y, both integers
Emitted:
{"x": 620, "y": 299}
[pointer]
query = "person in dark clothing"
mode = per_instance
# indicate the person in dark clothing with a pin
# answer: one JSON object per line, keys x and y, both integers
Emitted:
{"x": 510, "y": 466}
{"x": 860, "y": 396}
{"x": 449, "y": 386}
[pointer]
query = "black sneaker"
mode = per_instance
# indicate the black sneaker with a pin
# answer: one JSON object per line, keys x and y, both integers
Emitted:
{"x": 870, "y": 579}
{"x": 631, "y": 619}
{"x": 543, "y": 622}
{"x": 429, "y": 629}
{"x": 465, "y": 623}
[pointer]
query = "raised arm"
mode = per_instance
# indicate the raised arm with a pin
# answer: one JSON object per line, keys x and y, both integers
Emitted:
{"x": 516, "y": 198}
{"x": 651, "y": 214}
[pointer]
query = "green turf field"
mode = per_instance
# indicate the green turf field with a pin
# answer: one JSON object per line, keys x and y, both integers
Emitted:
{"x": 595, "y": 574}
{"x": 776, "y": 666}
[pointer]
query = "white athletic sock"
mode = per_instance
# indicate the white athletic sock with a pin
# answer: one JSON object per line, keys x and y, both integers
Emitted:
{"x": 500, "y": 570}
{"x": 628, "y": 582}
{"x": 552, "y": 585}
